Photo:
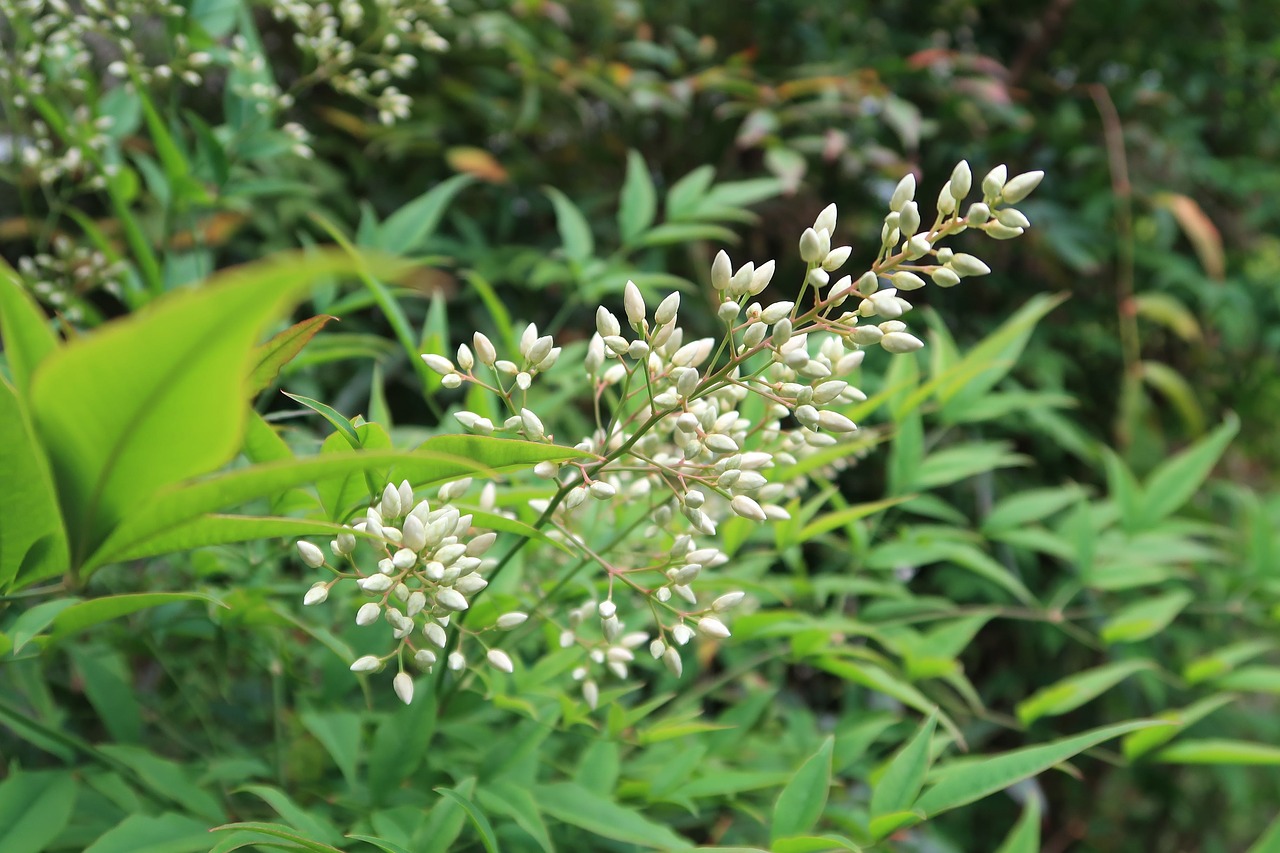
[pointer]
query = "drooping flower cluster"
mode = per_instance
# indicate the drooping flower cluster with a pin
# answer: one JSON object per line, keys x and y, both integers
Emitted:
{"x": 692, "y": 433}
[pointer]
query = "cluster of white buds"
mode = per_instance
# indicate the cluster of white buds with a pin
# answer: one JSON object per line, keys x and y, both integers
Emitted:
{"x": 428, "y": 565}
{"x": 61, "y": 276}
{"x": 691, "y": 434}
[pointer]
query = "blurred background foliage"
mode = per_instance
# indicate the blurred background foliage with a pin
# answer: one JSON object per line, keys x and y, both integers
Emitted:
{"x": 1157, "y": 129}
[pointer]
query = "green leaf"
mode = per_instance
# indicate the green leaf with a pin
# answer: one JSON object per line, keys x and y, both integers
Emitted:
{"x": 952, "y": 464}
{"x": 164, "y": 833}
{"x": 339, "y": 732}
{"x": 477, "y": 817}
{"x": 686, "y": 193}
{"x": 1145, "y": 618}
{"x": 887, "y": 824}
{"x": 1254, "y": 679}
{"x": 1224, "y": 660}
{"x": 437, "y": 460}
{"x": 108, "y": 685}
{"x": 1173, "y": 483}
{"x": 1025, "y": 835}
{"x": 33, "y": 544}
{"x": 961, "y": 783}
{"x": 575, "y": 231}
{"x": 1075, "y": 690}
{"x": 638, "y": 203}
{"x": 33, "y": 622}
{"x": 804, "y": 844}
{"x": 159, "y": 396}
{"x": 281, "y": 349}
{"x": 25, "y": 331}
{"x": 801, "y": 802}
{"x": 34, "y": 808}
{"x": 332, "y": 415}
{"x": 577, "y": 806}
{"x": 409, "y": 227}
{"x": 1219, "y": 751}
{"x": 307, "y": 822}
{"x": 904, "y": 777}
{"x": 85, "y": 614}
{"x": 1269, "y": 841}
{"x": 1137, "y": 744}
{"x": 677, "y": 233}
{"x": 224, "y": 529}
{"x": 380, "y": 843}
{"x": 168, "y": 779}
{"x": 1124, "y": 489}
{"x": 516, "y": 802}
{"x": 1023, "y": 508}
{"x": 271, "y": 830}
{"x": 830, "y": 521}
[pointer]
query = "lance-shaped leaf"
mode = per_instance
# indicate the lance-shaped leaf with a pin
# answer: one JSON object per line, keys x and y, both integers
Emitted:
{"x": 281, "y": 349}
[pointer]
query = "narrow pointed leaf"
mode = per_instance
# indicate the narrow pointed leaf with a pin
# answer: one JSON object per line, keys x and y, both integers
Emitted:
{"x": 281, "y": 349}
{"x": 801, "y": 802}
{"x": 1075, "y": 690}
{"x": 904, "y": 777}
{"x": 1175, "y": 481}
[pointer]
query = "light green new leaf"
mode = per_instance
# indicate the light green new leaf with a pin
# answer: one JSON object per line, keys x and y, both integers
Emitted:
{"x": 801, "y": 802}
{"x": 1176, "y": 480}
{"x": 970, "y": 780}
{"x": 1145, "y": 618}
{"x": 799, "y": 844}
{"x": 34, "y": 808}
{"x": 159, "y": 396}
{"x": 1025, "y": 835}
{"x": 224, "y": 529}
{"x": 33, "y": 545}
{"x": 577, "y": 806}
{"x": 507, "y": 798}
{"x": 686, "y": 193}
{"x": 1075, "y": 690}
{"x": 164, "y": 833}
{"x": 332, "y": 415}
{"x": 1224, "y": 660}
{"x": 904, "y": 777}
{"x": 24, "y": 329}
{"x": 1254, "y": 679}
{"x": 1269, "y": 841}
{"x": 575, "y": 231}
{"x": 1219, "y": 751}
{"x": 33, "y": 622}
{"x": 1023, "y": 508}
{"x": 1139, "y": 743}
{"x": 409, "y": 227}
{"x": 638, "y": 203}
{"x": 85, "y": 614}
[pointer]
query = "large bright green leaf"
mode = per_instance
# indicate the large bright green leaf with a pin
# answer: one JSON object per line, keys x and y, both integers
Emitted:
{"x": 34, "y": 809}
{"x": 33, "y": 545}
{"x": 599, "y": 815}
{"x": 1075, "y": 690}
{"x": 967, "y": 781}
{"x": 159, "y": 396}
{"x": 437, "y": 460}
{"x": 902, "y": 780}
{"x": 24, "y": 330}
{"x": 801, "y": 802}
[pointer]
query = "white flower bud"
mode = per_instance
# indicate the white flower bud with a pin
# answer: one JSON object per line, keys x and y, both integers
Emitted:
{"x": 457, "y": 661}
{"x": 317, "y": 594}
{"x": 1013, "y": 218}
{"x": 885, "y": 305}
{"x": 968, "y": 265}
{"x": 900, "y": 342}
{"x": 438, "y": 363}
{"x": 667, "y": 310}
{"x": 465, "y": 359}
{"x": 368, "y": 614}
{"x": 343, "y": 544}
{"x": 946, "y": 201}
{"x": 485, "y": 350}
{"x": 368, "y": 663}
{"x": 727, "y": 311}
{"x": 835, "y": 422}
{"x": 727, "y": 601}
{"x": 721, "y": 270}
{"x": 719, "y": 443}
{"x": 761, "y": 277}
{"x": 909, "y": 219}
{"x": 500, "y": 660}
{"x": 606, "y": 324}
{"x": 694, "y": 498}
{"x": 470, "y": 584}
{"x": 836, "y": 258}
{"x": 590, "y": 694}
{"x": 403, "y": 685}
{"x": 866, "y": 335}
{"x": 607, "y": 609}
{"x": 754, "y": 336}
{"x": 978, "y": 213}
{"x": 390, "y": 506}
{"x": 945, "y": 277}
{"x": 811, "y": 248}
{"x": 405, "y": 558}
{"x": 993, "y": 183}
{"x": 424, "y": 658}
{"x": 375, "y": 583}
{"x": 311, "y": 555}
{"x": 682, "y": 633}
{"x": 413, "y": 536}
{"x": 961, "y": 181}
{"x": 601, "y": 490}
{"x": 741, "y": 281}
{"x": 826, "y": 220}
{"x": 416, "y": 603}
{"x": 507, "y": 621}
{"x": 451, "y": 599}
{"x": 533, "y": 428}
{"x": 996, "y": 231}
{"x": 633, "y": 302}
{"x": 904, "y": 192}
{"x": 546, "y": 469}
{"x": 747, "y": 508}
{"x": 917, "y": 247}
{"x": 671, "y": 660}
{"x": 709, "y": 626}
{"x": 1021, "y": 186}
{"x": 868, "y": 283}
{"x": 435, "y": 635}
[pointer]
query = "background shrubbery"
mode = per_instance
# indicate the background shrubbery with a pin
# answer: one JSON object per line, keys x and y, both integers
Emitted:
{"x": 1079, "y": 520}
